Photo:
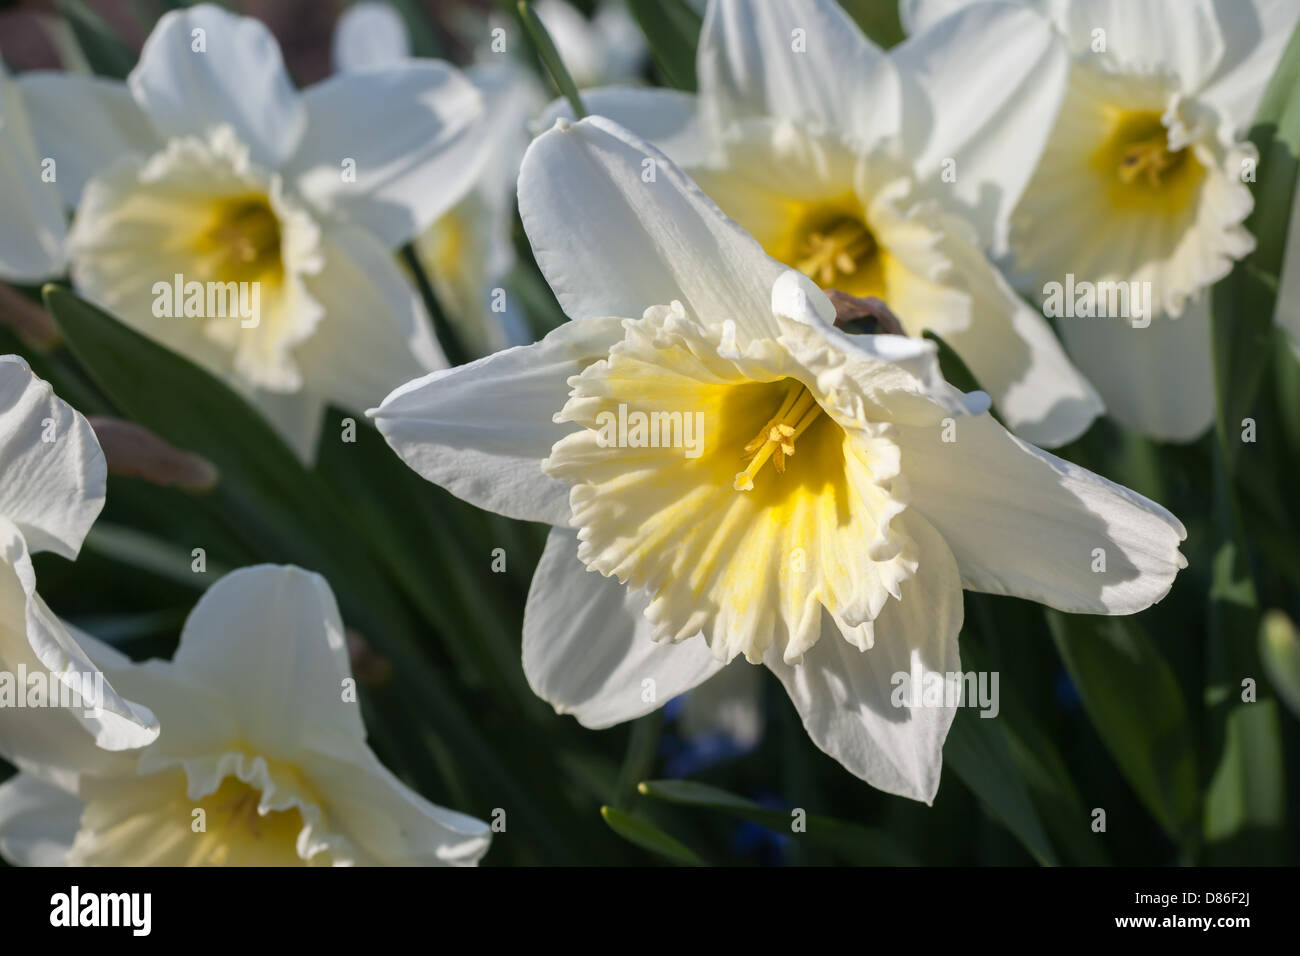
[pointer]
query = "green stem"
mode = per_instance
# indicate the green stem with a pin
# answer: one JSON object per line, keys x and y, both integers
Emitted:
{"x": 550, "y": 57}
{"x": 638, "y": 763}
{"x": 451, "y": 344}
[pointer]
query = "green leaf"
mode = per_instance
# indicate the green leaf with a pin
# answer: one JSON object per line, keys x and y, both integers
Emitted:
{"x": 978, "y": 750}
{"x": 106, "y": 52}
{"x": 1244, "y": 800}
{"x": 1134, "y": 702}
{"x": 1244, "y": 796}
{"x": 649, "y": 837}
{"x": 848, "y": 841}
{"x": 443, "y": 329}
{"x": 267, "y": 496}
{"x": 285, "y": 513}
{"x": 146, "y": 552}
{"x": 1244, "y": 302}
{"x": 638, "y": 761}
{"x": 438, "y": 550}
{"x": 424, "y": 42}
{"x": 1052, "y": 789}
{"x": 1245, "y": 805}
{"x": 879, "y": 20}
{"x": 954, "y": 369}
{"x": 1038, "y": 763}
{"x": 122, "y": 630}
{"x": 672, "y": 31}
{"x": 551, "y": 58}
{"x": 1279, "y": 647}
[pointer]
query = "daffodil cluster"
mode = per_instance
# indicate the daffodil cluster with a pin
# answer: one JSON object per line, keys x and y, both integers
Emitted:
{"x": 812, "y": 319}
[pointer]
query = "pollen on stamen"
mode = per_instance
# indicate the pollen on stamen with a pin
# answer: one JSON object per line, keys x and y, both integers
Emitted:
{"x": 775, "y": 440}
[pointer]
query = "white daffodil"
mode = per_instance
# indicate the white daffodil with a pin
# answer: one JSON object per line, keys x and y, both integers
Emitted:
{"x": 468, "y": 251}
{"x": 608, "y": 48}
{"x": 33, "y": 228}
{"x": 745, "y": 479}
{"x": 209, "y": 166}
{"x": 262, "y": 760}
{"x": 884, "y": 175}
{"x": 1143, "y": 182}
{"x": 52, "y": 478}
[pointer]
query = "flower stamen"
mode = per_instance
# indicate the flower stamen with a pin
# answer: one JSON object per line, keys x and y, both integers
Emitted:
{"x": 839, "y": 250}
{"x": 242, "y": 810}
{"x": 1150, "y": 158}
{"x": 775, "y": 440}
{"x": 244, "y": 241}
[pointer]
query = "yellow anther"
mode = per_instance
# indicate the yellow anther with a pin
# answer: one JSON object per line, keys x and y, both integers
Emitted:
{"x": 244, "y": 241}
{"x": 775, "y": 440}
{"x": 839, "y": 250}
{"x": 1150, "y": 158}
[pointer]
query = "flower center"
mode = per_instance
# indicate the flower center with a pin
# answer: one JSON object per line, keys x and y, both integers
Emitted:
{"x": 748, "y": 571}
{"x": 835, "y": 249}
{"x": 243, "y": 242}
{"x": 240, "y": 833}
{"x": 1149, "y": 159}
{"x": 775, "y": 440}
{"x": 1143, "y": 172}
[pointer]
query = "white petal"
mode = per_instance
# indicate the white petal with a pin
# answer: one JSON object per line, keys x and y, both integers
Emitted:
{"x": 418, "y": 136}
{"x": 512, "y": 96}
{"x": 297, "y": 417}
{"x": 54, "y": 472}
{"x": 391, "y": 823}
{"x": 33, "y": 639}
{"x": 622, "y": 42}
{"x": 897, "y": 374}
{"x": 38, "y": 822}
{"x": 1158, "y": 380}
{"x": 576, "y": 41}
{"x": 1025, "y": 523}
{"x": 269, "y": 638}
{"x": 85, "y": 124}
{"x": 612, "y": 244}
{"x": 1178, "y": 36}
{"x": 375, "y": 333}
{"x": 992, "y": 77}
{"x": 1255, "y": 32}
{"x": 667, "y": 119}
{"x": 1010, "y": 348}
{"x": 1041, "y": 396}
{"x": 587, "y": 644}
{"x": 198, "y": 719}
{"x": 369, "y": 35}
{"x": 753, "y": 62}
{"x": 237, "y": 79}
{"x": 482, "y": 430}
{"x": 844, "y": 695}
{"x": 918, "y": 15}
{"x": 116, "y": 724}
{"x": 32, "y": 226}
